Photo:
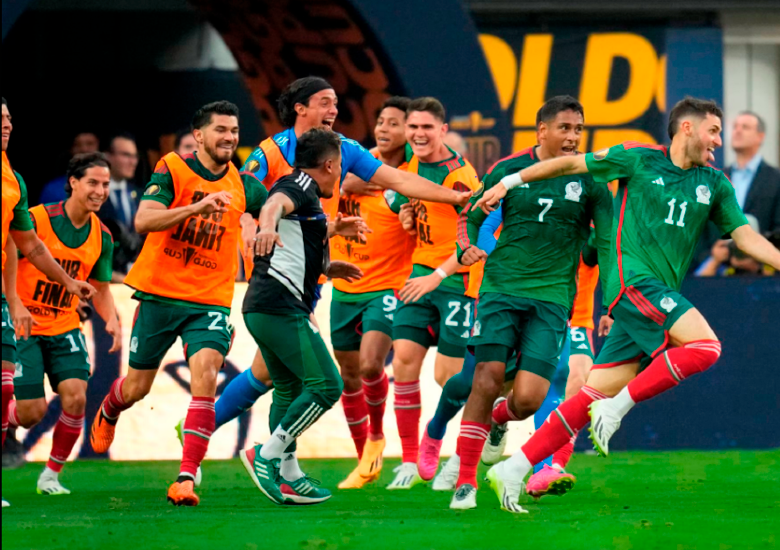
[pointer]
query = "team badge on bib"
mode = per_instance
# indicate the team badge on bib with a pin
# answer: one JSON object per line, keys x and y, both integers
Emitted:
{"x": 573, "y": 191}
{"x": 601, "y": 155}
{"x": 703, "y": 194}
{"x": 668, "y": 304}
{"x": 389, "y": 196}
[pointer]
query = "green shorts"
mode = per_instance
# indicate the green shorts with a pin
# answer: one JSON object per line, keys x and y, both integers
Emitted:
{"x": 349, "y": 320}
{"x": 581, "y": 341}
{"x": 442, "y": 317}
{"x": 61, "y": 357}
{"x": 536, "y": 330}
{"x": 156, "y": 327}
{"x": 9, "y": 336}
{"x": 643, "y": 316}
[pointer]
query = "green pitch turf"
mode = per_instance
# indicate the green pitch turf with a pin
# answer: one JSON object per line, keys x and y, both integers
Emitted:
{"x": 641, "y": 501}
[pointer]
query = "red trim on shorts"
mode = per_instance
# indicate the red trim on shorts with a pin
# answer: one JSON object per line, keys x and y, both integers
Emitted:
{"x": 135, "y": 315}
{"x": 619, "y": 251}
{"x": 662, "y": 347}
{"x": 644, "y": 306}
{"x": 616, "y": 363}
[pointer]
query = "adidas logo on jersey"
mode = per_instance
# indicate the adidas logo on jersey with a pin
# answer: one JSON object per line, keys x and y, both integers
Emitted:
{"x": 582, "y": 346}
{"x": 659, "y": 181}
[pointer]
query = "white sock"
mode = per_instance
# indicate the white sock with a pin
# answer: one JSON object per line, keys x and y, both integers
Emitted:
{"x": 291, "y": 470}
{"x": 49, "y": 473}
{"x": 276, "y": 444}
{"x": 454, "y": 462}
{"x": 622, "y": 402}
{"x": 517, "y": 466}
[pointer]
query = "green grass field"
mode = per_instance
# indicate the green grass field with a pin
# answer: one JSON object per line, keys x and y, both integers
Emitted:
{"x": 642, "y": 501}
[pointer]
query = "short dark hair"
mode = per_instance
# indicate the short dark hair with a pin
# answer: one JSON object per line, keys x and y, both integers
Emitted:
{"x": 558, "y": 104}
{"x": 691, "y": 106}
{"x": 315, "y": 147}
{"x": 427, "y": 105}
{"x": 180, "y": 135}
{"x": 203, "y": 115}
{"x": 397, "y": 102}
{"x": 299, "y": 91}
{"x": 5, "y": 102}
{"x": 121, "y": 135}
{"x": 760, "y": 124}
{"x": 79, "y": 164}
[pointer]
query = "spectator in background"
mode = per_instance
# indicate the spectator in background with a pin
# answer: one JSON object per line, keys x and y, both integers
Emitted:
{"x": 185, "y": 143}
{"x": 756, "y": 183}
{"x": 119, "y": 211}
{"x": 455, "y": 141}
{"x": 54, "y": 191}
{"x": 726, "y": 260}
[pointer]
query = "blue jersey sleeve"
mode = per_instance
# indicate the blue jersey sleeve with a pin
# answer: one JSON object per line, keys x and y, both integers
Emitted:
{"x": 256, "y": 164}
{"x": 487, "y": 240}
{"x": 356, "y": 159}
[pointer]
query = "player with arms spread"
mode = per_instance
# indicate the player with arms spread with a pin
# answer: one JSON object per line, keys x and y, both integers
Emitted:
{"x": 530, "y": 280}
{"x": 184, "y": 280}
{"x": 55, "y": 346}
{"x": 665, "y": 199}
{"x": 18, "y": 225}
{"x": 292, "y": 253}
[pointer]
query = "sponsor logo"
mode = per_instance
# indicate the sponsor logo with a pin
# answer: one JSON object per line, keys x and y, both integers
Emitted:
{"x": 153, "y": 189}
{"x": 389, "y": 316}
{"x": 703, "y": 194}
{"x": 465, "y": 334}
{"x": 582, "y": 346}
{"x": 253, "y": 166}
{"x": 668, "y": 304}
{"x": 134, "y": 344}
{"x": 601, "y": 155}
{"x": 473, "y": 122}
{"x": 573, "y": 191}
{"x": 205, "y": 262}
{"x": 659, "y": 181}
{"x": 172, "y": 253}
{"x": 189, "y": 252}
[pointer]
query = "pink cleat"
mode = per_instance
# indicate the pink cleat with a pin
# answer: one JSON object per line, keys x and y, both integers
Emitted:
{"x": 428, "y": 459}
{"x": 549, "y": 481}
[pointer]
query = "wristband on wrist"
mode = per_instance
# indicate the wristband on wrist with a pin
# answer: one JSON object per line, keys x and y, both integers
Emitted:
{"x": 511, "y": 181}
{"x": 441, "y": 273}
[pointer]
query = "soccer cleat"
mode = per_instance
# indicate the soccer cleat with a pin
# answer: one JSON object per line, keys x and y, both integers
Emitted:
{"x": 265, "y": 473}
{"x": 371, "y": 463}
{"x": 448, "y": 475}
{"x": 180, "y": 436}
{"x": 356, "y": 481}
{"x": 48, "y": 485}
{"x": 183, "y": 494}
{"x": 549, "y": 481}
{"x": 604, "y": 422}
{"x": 101, "y": 434}
{"x": 496, "y": 441}
{"x": 428, "y": 459}
{"x": 6, "y": 504}
{"x": 465, "y": 498}
{"x": 406, "y": 476}
{"x": 303, "y": 490}
{"x": 507, "y": 490}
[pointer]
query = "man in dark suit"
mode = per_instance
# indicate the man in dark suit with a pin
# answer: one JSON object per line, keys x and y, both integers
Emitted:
{"x": 119, "y": 211}
{"x": 756, "y": 183}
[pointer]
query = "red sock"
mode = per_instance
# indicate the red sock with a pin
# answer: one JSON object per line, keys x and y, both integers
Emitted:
{"x": 114, "y": 403}
{"x": 407, "y": 414}
{"x": 356, "y": 411}
{"x": 471, "y": 440}
{"x": 502, "y": 413}
{"x": 561, "y": 425}
{"x": 8, "y": 395}
{"x": 672, "y": 366}
{"x": 562, "y": 456}
{"x": 375, "y": 392}
{"x": 13, "y": 414}
{"x": 66, "y": 433}
{"x": 198, "y": 427}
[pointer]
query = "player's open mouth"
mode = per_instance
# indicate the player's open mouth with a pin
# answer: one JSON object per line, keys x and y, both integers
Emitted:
{"x": 382, "y": 140}
{"x": 328, "y": 123}
{"x": 569, "y": 150}
{"x": 711, "y": 154}
{"x": 420, "y": 143}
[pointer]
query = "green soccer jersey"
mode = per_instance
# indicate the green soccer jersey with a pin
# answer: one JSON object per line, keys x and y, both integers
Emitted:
{"x": 546, "y": 225}
{"x": 661, "y": 211}
{"x": 21, "y": 220}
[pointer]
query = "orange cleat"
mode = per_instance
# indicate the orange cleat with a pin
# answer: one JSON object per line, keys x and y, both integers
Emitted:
{"x": 101, "y": 435}
{"x": 183, "y": 494}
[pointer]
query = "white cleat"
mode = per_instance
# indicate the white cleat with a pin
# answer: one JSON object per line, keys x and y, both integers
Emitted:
{"x": 6, "y": 504}
{"x": 406, "y": 476}
{"x": 507, "y": 490}
{"x": 48, "y": 485}
{"x": 465, "y": 498}
{"x": 604, "y": 422}
{"x": 496, "y": 441}
{"x": 447, "y": 477}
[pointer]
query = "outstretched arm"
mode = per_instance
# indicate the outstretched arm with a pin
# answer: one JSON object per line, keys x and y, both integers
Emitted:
{"x": 756, "y": 246}
{"x": 414, "y": 187}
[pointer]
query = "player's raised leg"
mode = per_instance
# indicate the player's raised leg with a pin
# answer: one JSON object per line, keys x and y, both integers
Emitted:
{"x": 243, "y": 391}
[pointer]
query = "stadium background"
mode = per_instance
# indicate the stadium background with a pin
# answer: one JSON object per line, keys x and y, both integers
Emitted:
{"x": 145, "y": 66}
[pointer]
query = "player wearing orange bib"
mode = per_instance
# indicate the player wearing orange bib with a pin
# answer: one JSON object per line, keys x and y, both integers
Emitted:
{"x": 56, "y": 347}
{"x": 442, "y": 317}
{"x": 361, "y": 314}
{"x": 184, "y": 280}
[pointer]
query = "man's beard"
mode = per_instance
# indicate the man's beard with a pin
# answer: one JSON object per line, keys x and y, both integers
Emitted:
{"x": 215, "y": 155}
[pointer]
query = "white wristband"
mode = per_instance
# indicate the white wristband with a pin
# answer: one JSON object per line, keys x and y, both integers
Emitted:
{"x": 512, "y": 180}
{"x": 441, "y": 273}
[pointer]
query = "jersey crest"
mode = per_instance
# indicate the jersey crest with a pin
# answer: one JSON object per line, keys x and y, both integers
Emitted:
{"x": 573, "y": 191}
{"x": 703, "y": 194}
{"x": 668, "y": 304}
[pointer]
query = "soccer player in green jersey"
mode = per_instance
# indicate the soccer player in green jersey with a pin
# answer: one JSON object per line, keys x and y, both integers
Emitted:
{"x": 526, "y": 295}
{"x": 665, "y": 199}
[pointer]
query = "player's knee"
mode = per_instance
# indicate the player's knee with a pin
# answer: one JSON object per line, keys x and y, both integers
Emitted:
{"x": 371, "y": 367}
{"x": 134, "y": 392}
{"x": 74, "y": 403}
{"x": 331, "y": 392}
{"x": 31, "y": 412}
{"x": 525, "y": 405}
{"x": 704, "y": 354}
{"x": 488, "y": 380}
